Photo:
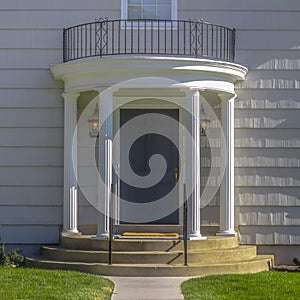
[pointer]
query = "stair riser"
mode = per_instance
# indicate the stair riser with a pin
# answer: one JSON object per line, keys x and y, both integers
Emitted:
{"x": 149, "y": 258}
{"x": 147, "y": 245}
{"x": 237, "y": 268}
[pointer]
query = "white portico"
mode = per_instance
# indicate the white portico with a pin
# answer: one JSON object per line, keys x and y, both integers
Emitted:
{"x": 187, "y": 79}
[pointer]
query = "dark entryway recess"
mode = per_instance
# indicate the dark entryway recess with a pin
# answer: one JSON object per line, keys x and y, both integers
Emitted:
{"x": 140, "y": 152}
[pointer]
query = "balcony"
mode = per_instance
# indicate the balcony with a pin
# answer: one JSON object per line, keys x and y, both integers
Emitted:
{"x": 191, "y": 39}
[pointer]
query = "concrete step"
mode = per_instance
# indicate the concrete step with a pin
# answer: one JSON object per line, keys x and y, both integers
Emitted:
{"x": 150, "y": 257}
{"x": 85, "y": 242}
{"x": 257, "y": 264}
{"x": 206, "y": 230}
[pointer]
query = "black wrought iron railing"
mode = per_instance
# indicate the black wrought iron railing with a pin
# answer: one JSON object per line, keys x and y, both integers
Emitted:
{"x": 185, "y": 234}
{"x": 105, "y": 37}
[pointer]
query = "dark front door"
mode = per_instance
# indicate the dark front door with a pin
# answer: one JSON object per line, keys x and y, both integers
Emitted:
{"x": 142, "y": 149}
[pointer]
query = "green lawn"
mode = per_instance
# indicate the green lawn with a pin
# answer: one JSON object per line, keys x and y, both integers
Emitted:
{"x": 265, "y": 285}
{"x": 22, "y": 283}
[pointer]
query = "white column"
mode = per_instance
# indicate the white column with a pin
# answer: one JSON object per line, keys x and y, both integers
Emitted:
{"x": 227, "y": 197}
{"x": 194, "y": 211}
{"x": 105, "y": 162}
{"x": 70, "y": 164}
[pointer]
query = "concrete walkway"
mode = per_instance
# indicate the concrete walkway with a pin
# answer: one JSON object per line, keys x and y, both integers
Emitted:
{"x": 147, "y": 288}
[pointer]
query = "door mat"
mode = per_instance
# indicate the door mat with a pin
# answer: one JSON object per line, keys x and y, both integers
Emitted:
{"x": 151, "y": 234}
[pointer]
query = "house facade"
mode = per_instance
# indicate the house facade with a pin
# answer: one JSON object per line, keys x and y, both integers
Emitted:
{"x": 92, "y": 109}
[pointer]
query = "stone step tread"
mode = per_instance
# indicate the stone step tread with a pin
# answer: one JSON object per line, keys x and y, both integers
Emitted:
{"x": 151, "y": 252}
{"x": 88, "y": 242}
{"x": 258, "y": 258}
{"x": 86, "y": 237}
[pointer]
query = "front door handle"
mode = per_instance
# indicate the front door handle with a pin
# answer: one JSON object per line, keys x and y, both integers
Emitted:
{"x": 176, "y": 174}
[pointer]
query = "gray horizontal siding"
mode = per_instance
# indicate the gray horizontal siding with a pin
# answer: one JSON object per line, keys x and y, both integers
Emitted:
{"x": 31, "y": 98}
{"x": 210, "y": 215}
{"x": 87, "y": 215}
{"x": 268, "y": 216}
{"x": 267, "y": 124}
{"x": 27, "y": 234}
{"x": 236, "y": 5}
{"x": 31, "y": 215}
{"x": 55, "y": 19}
{"x": 259, "y": 157}
{"x": 271, "y": 79}
{"x": 31, "y": 137}
{"x": 270, "y": 59}
{"x": 31, "y": 117}
{"x": 68, "y": 5}
{"x": 288, "y": 119}
{"x": 39, "y": 39}
{"x": 38, "y": 157}
{"x": 31, "y": 196}
{"x": 267, "y": 138}
{"x": 214, "y": 5}
{"x": 244, "y": 20}
{"x": 28, "y": 79}
{"x": 267, "y": 39}
{"x": 269, "y": 177}
{"x": 267, "y": 99}
{"x": 28, "y": 58}
{"x": 31, "y": 176}
{"x": 270, "y": 235}
{"x": 264, "y": 196}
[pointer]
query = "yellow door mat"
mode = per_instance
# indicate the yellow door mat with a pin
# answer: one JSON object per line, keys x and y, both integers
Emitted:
{"x": 151, "y": 234}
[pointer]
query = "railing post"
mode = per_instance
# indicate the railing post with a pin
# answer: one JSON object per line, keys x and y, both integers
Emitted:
{"x": 233, "y": 44}
{"x": 64, "y": 45}
{"x": 196, "y": 39}
{"x": 101, "y": 38}
{"x": 185, "y": 217}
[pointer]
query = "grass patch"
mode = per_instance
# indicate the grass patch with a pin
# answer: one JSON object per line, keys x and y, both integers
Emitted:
{"x": 37, "y": 284}
{"x": 264, "y": 285}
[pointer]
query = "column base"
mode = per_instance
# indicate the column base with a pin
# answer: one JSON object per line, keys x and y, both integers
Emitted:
{"x": 196, "y": 237}
{"x": 70, "y": 232}
{"x": 101, "y": 236}
{"x": 226, "y": 233}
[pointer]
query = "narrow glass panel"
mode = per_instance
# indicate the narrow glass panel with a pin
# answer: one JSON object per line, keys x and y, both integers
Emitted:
{"x": 130, "y": 2}
{"x": 164, "y": 12}
{"x": 150, "y": 12}
{"x": 134, "y": 12}
{"x": 149, "y": 2}
{"x": 159, "y": 2}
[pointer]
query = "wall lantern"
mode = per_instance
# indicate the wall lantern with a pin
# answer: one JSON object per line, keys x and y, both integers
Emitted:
{"x": 94, "y": 123}
{"x": 203, "y": 121}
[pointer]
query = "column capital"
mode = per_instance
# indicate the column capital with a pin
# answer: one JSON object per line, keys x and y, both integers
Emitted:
{"x": 195, "y": 90}
{"x": 70, "y": 95}
{"x": 101, "y": 89}
{"x": 227, "y": 96}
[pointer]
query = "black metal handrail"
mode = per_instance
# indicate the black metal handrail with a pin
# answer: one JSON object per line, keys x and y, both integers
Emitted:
{"x": 191, "y": 38}
{"x": 185, "y": 218}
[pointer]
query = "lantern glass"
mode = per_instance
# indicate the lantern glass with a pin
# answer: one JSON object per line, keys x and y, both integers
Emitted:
{"x": 203, "y": 121}
{"x": 94, "y": 123}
